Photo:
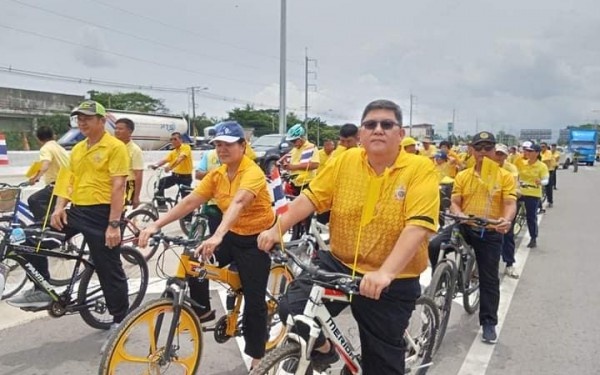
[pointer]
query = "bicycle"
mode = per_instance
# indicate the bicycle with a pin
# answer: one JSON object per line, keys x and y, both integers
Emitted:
{"x": 167, "y": 332}
{"x": 89, "y": 300}
{"x": 520, "y": 218}
{"x": 184, "y": 222}
{"x": 461, "y": 272}
{"x": 293, "y": 355}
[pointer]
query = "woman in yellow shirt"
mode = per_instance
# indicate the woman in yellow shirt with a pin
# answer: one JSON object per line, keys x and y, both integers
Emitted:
{"x": 239, "y": 189}
{"x": 533, "y": 175}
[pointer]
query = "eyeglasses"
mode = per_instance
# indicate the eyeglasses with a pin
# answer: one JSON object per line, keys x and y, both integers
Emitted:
{"x": 486, "y": 147}
{"x": 385, "y": 124}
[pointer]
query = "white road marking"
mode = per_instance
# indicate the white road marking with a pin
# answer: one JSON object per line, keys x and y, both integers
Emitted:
{"x": 478, "y": 358}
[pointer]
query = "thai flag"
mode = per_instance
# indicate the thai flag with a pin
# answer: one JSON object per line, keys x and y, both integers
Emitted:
{"x": 277, "y": 195}
{"x": 3, "y": 151}
{"x": 307, "y": 155}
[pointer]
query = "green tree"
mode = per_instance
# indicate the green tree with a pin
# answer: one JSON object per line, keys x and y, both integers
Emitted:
{"x": 129, "y": 101}
{"x": 263, "y": 121}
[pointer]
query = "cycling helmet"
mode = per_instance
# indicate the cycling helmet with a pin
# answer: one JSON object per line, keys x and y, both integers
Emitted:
{"x": 295, "y": 132}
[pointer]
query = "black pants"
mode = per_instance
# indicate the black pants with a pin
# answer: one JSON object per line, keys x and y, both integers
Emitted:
{"x": 381, "y": 323}
{"x": 39, "y": 201}
{"x": 488, "y": 247}
{"x": 92, "y": 221}
{"x": 253, "y": 266}
{"x": 550, "y": 187}
{"x": 167, "y": 182}
{"x": 531, "y": 208}
{"x": 508, "y": 246}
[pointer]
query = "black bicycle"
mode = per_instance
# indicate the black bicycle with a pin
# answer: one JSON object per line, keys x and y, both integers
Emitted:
{"x": 86, "y": 297}
{"x": 458, "y": 274}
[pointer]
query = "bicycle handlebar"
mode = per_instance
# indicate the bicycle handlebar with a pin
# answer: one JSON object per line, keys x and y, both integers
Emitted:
{"x": 480, "y": 221}
{"x": 175, "y": 240}
{"x": 339, "y": 281}
{"x": 18, "y": 186}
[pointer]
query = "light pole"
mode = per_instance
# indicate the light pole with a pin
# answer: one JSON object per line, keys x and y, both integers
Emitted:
{"x": 193, "y": 90}
{"x": 282, "y": 58}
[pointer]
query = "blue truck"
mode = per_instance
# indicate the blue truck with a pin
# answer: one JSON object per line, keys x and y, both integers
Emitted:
{"x": 583, "y": 142}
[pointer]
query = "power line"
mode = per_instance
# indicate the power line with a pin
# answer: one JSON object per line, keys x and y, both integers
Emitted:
{"x": 202, "y": 36}
{"x": 135, "y": 36}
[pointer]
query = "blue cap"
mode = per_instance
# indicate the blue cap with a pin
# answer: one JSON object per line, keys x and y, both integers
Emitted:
{"x": 441, "y": 155}
{"x": 229, "y": 131}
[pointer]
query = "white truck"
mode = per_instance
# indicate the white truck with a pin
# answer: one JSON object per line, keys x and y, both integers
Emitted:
{"x": 152, "y": 131}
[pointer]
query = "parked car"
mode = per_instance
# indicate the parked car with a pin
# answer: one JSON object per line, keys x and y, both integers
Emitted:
{"x": 270, "y": 148}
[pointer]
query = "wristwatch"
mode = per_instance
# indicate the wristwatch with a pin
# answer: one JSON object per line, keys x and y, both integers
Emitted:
{"x": 114, "y": 223}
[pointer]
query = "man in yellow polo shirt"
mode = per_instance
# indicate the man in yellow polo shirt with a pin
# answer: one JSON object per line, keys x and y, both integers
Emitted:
{"x": 304, "y": 159}
{"x": 429, "y": 150}
{"x": 472, "y": 196}
{"x": 548, "y": 159}
{"x": 556, "y": 155}
{"x": 99, "y": 165}
{"x": 383, "y": 209}
{"x": 325, "y": 153}
{"x": 180, "y": 162}
{"x": 124, "y": 128}
{"x": 409, "y": 145}
{"x": 347, "y": 139}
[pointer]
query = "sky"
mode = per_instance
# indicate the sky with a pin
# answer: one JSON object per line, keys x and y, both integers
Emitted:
{"x": 505, "y": 65}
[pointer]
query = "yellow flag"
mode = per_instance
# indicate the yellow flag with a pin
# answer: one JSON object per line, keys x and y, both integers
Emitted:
{"x": 34, "y": 169}
{"x": 489, "y": 173}
{"x": 65, "y": 181}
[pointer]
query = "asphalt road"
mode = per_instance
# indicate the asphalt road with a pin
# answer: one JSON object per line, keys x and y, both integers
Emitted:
{"x": 547, "y": 317}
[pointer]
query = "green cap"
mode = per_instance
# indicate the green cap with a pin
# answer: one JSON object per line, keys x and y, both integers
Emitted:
{"x": 90, "y": 108}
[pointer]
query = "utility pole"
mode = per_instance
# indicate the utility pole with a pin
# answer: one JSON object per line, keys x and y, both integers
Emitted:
{"x": 282, "y": 75}
{"x": 307, "y": 85}
{"x": 193, "y": 92}
{"x": 410, "y": 115}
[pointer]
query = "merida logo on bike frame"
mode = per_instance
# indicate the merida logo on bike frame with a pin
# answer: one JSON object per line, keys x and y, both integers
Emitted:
{"x": 340, "y": 337}
{"x": 39, "y": 278}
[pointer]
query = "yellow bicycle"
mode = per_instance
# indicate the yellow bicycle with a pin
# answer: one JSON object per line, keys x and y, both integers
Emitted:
{"x": 164, "y": 336}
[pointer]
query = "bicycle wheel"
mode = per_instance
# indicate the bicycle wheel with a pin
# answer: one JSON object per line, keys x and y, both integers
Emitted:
{"x": 91, "y": 295}
{"x": 280, "y": 277}
{"x": 61, "y": 269}
{"x": 441, "y": 291}
{"x": 198, "y": 228}
{"x": 15, "y": 279}
{"x": 470, "y": 282}
{"x": 138, "y": 347}
{"x": 281, "y": 360}
{"x": 420, "y": 336}
{"x": 520, "y": 220}
{"x": 137, "y": 221}
{"x": 186, "y": 222}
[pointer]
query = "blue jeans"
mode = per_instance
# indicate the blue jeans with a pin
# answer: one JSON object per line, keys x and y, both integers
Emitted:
{"x": 531, "y": 208}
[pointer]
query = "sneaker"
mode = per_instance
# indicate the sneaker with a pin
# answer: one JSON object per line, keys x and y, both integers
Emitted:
{"x": 108, "y": 334}
{"x": 30, "y": 298}
{"x": 510, "y": 272}
{"x": 488, "y": 334}
{"x": 322, "y": 361}
{"x": 532, "y": 244}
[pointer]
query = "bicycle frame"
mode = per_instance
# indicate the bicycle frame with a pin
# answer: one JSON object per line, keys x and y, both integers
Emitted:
{"x": 462, "y": 252}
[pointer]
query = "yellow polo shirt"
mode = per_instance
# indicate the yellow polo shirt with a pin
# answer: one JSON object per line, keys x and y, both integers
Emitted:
{"x": 511, "y": 168}
{"x": 57, "y": 157}
{"x": 528, "y": 174}
{"x": 249, "y": 152}
{"x": 323, "y": 158}
{"x": 94, "y": 168}
{"x": 548, "y": 159}
{"x": 186, "y": 165}
{"x": 255, "y": 218}
{"x": 137, "y": 159}
{"x": 408, "y": 195}
{"x": 477, "y": 199}
{"x": 338, "y": 150}
{"x": 303, "y": 177}
{"x": 429, "y": 152}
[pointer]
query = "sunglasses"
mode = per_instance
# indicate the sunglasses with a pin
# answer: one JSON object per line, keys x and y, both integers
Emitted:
{"x": 485, "y": 147}
{"x": 385, "y": 124}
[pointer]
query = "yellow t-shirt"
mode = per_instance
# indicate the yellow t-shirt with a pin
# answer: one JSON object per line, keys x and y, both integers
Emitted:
{"x": 255, "y": 218}
{"x": 528, "y": 174}
{"x": 556, "y": 156}
{"x": 94, "y": 168}
{"x": 250, "y": 152}
{"x": 323, "y": 158}
{"x": 468, "y": 161}
{"x": 408, "y": 195}
{"x": 429, "y": 152}
{"x": 338, "y": 150}
{"x": 511, "y": 168}
{"x": 186, "y": 165}
{"x": 304, "y": 176}
{"x": 548, "y": 159}
{"x": 137, "y": 159}
{"x": 477, "y": 199}
{"x": 57, "y": 157}
{"x": 443, "y": 170}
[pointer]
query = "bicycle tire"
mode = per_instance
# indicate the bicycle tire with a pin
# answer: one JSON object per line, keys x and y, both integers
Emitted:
{"x": 520, "y": 220}
{"x": 97, "y": 315}
{"x": 441, "y": 291}
{"x": 61, "y": 269}
{"x": 126, "y": 339}
{"x": 427, "y": 310}
{"x": 15, "y": 279}
{"x": 470, "y": 282}
{"x": 137, "y": 221}
{"x": 280, "y": 276}
{"x": 290, "y": 351}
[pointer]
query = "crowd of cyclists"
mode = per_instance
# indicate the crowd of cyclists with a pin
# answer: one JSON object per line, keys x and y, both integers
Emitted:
{"x": 380, "y": 193}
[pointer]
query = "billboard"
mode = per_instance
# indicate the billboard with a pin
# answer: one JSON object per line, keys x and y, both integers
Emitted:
{"x": 536, "y": 134}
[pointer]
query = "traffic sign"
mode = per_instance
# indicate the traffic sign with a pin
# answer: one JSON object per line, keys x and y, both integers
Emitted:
{"x": 536, "y": 134}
